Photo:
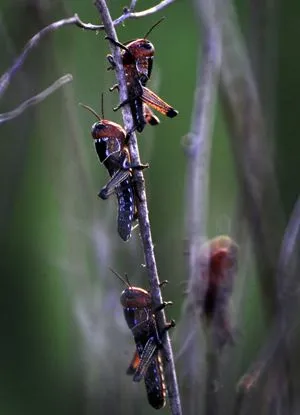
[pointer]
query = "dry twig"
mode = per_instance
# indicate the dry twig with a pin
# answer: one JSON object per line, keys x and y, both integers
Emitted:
{"x": 128, "y": 13}
{"x": 34, "y": 41}
{"x": 36, "y": 99}
{"x": 144, "y": 223}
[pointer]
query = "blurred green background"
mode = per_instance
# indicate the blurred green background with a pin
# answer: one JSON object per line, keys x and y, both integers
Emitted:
{"x": 64, "y": 342}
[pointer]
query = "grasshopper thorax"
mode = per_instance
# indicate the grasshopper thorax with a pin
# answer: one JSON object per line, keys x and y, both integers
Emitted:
{"x": 107, "y": 129}
{"x": 223, "y": 254}
{"x": 135, "y": 297}
{"x": 141, "y": 48}
{"x": 142, "y": 51}
{"x": 220, "y": 261}
{"x": 218, "y": 257}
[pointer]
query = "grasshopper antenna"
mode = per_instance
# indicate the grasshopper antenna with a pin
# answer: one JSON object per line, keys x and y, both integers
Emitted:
{"x": 102, "y": 105}
{"x": 125, "y": 281}
{"x": 120, "y": 45}
{"x": 152, "y": 27}
{"x": 91, "y": 110}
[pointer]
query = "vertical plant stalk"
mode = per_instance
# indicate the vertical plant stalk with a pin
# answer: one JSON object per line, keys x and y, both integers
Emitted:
{"x": 263, "y": 46}
{"x": 198, "y": 153}
{"x": 245, "y": 119}
{"x": 143, "y": 214}
{"x": 199, "y": 145}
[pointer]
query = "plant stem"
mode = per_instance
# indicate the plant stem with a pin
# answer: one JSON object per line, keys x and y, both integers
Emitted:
{"x": 143, "y": 216}
{"x": 198, "y": 153}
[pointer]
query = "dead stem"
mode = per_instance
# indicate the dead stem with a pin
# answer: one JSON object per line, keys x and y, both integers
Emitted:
{"x": 144, "y": 223}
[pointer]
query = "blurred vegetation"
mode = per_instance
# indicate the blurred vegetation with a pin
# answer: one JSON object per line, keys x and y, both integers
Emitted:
{"x": 64, "y": 343}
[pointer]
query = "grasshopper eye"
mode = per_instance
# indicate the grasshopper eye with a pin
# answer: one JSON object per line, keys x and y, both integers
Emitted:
{"x": 97, "y": 130}
{"x": 147, "y": 46}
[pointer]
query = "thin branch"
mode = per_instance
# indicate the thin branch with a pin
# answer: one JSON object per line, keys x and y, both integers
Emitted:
{"x": 132, "y": 5}
{"x": 149, "y": 11}
{"x": 198, "y": 153}
{"x": 128, "y": 13}
{"x": 36, "y": 99}
{"x": 34, "y": 41}
{"x": 144, "y": 223}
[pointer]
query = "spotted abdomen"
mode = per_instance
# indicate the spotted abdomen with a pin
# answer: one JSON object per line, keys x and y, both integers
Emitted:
{"x": 137, "y": 111}
{"x": 155, "y": 382}
{"x": 154, "y": 377}
{"x": 126, "y": 209}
